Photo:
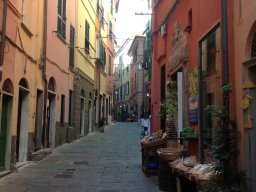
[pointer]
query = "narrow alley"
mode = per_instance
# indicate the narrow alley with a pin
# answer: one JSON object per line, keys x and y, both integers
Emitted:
{"x": 100, "y": 162}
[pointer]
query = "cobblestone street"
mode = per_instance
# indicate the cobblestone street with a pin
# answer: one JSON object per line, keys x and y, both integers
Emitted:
{"x": 99, "y": 162}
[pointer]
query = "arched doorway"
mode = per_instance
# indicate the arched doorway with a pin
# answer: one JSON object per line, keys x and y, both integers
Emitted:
{"x": 82, "y": 112}
{"x": 6, "y": 119}
{"x": 249, "y": 89}
{"x": 22, "y": 122}
{"x": 49, "y": 132}
{"x": 90, "y": 112}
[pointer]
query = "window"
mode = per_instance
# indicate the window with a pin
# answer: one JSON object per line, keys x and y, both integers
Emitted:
{"x": 102, "y": 18}
{"x": 109, "y": 65}
{"x": 87, "y": 37}
{"x": 110, "y": 31}
{"x": 111, "y": 7}
{"x": 127, "y": 88}
{"x": 26, "y": 15}
{"x": 210, "y": 67}
{"x": 211, "y": 53}
{"x": 253, "y": 49}
{"x": 103, "y": 55}
{"x": 134, "y": 56}
{"x": 62, "y": 109}
{"x": 71, "y": 46}
{"x": 70, "y": 107}
{"x": 98, "y": 7}
{"x": 62, "y": 18}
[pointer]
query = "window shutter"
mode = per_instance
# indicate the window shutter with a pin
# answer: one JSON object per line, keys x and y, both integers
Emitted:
{"x": 71, "y": 49}
{"x": 64, "y": 19}
{"x": 59, "y": 7}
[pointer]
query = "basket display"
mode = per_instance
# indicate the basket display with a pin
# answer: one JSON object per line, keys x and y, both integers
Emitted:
{"x": 153, "y": 143}
{"x": 193, "y": 171}
{"x": 170, "y": 154}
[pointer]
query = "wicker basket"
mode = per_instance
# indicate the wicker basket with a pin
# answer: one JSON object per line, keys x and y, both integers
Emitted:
{"x": 170, "y": 154}
{"x": 154, "y": 143}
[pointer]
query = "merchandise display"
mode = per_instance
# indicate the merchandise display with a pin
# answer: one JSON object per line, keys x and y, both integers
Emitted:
{"x": 170, "y": 154}
{"x": 192, "y": 170}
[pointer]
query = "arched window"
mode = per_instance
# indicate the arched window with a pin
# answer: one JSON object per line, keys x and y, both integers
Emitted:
{"x": 23, "y": 83}
{"x": 51, "y": 84}
{"x": 8, "y": 86}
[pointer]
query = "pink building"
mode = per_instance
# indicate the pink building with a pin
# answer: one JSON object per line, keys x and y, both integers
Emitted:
{"x": 59, "y": 74}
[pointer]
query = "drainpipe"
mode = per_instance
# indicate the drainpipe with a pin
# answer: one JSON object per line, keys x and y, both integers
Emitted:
{"x": 44, "y": 72}
{"x": 201, "y": 106}
{"x": 2, "y": 46}
{"x": 224, "y": 45}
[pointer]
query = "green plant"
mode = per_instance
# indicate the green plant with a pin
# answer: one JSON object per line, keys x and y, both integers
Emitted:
{"x": 172, "y": 105}
{"x": 224, "y": 149}
{"x": 189, "y": 132}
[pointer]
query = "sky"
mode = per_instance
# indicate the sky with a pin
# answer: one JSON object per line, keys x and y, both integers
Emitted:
{"x": 127, "y": 23}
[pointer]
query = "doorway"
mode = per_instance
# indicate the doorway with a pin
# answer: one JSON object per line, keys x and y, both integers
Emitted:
{"x": 38, "y": 137}
{"x": 250, "y": 134}
{"x": 49, "y": 133}
{"x": 5, "y": 126}
{"x": 23, "y": 122}
{"x": 162, "y": 92}
{"x": 82, "y": 117}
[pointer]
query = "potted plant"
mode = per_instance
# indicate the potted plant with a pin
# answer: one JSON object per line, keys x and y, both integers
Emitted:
{"x": 224, "y": 150}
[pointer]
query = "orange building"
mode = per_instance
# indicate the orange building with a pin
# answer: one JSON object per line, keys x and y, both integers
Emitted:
{"x": 187, "y": 60}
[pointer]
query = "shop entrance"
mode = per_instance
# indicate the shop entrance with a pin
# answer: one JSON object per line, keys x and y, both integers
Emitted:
{"x": 250, "y": 134}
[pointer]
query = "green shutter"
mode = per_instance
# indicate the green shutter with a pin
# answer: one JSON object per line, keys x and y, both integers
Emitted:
{"x": 59, "y": 6}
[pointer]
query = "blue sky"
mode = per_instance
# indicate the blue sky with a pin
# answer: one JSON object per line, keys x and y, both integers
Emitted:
{"x": 127, "y": 23}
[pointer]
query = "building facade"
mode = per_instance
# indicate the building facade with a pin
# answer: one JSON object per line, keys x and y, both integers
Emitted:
{"x": 59, "y": 76}
{"x": 187, "y": 60}
{"x": 122, "y": 82}
{"x": 137, "y": 76}
{"x": 21, "y": 80}
{"x": 245, "y": 67}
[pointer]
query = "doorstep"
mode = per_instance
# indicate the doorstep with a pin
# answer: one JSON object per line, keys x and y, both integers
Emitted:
{"x": 4, "y": 173}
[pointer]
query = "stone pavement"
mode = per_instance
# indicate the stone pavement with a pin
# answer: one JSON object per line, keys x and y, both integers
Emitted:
{"x": 99, "y": 162}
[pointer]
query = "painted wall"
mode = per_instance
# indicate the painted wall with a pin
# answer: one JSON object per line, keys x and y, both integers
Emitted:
{"x": 85, "y": 62}
{"x": 22, "y": 60}
{"x": 57, "y": 65}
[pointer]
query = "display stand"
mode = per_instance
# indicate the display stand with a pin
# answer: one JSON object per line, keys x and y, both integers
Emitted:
{"x": 150, "y": 161}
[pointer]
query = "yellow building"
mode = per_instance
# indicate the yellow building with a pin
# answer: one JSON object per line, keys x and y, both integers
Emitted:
{"x": 21, "y": 81}
{"x": 85, "y": 54}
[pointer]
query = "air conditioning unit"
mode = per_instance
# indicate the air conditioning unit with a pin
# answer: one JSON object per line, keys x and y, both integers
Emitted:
{"x": 163, "y": 30}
